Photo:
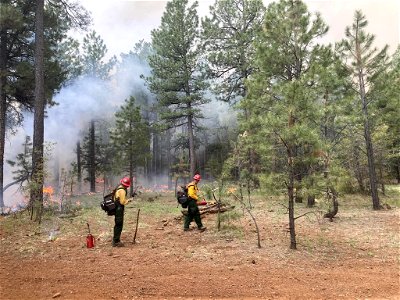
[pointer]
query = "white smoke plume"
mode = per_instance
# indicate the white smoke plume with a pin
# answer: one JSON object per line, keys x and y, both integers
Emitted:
{"x": 84, "y": 100}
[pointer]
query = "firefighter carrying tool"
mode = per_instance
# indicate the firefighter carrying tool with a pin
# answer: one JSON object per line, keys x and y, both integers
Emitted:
{"x": 193, "y": 202}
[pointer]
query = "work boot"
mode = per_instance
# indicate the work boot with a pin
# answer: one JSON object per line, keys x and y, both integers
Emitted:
{"x": 185, "y": 229}
{"x": 118, "y": 244}
{"x": 202, "y": 228}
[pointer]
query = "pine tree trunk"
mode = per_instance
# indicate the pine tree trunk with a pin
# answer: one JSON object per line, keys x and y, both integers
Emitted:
{"x": 154, "y": 157}
{"x": 79, "y": 166}
{"x": 367, "y": 133}
{"x": 290, "y": 187}
{"x": 169, "y": 160}
{"x": 131, "y": 161}
{"x": 3, "y": 108}
{"x": 92, "y": 158}
{"x": 131, "y": 172}
{"x": 292, "y": 230}
{"x": 357, "y": 169}
{"x": 371, "y": 168}
{"x": 368, "y": 143}
{"x": 36, "y": 195}
{"x": 381, "y": 179}
{"x": 192, "y": 155}
{"x": 291, "y": 153}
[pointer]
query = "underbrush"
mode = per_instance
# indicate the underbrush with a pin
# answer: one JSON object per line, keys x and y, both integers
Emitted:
{"x": 355, "y": 220}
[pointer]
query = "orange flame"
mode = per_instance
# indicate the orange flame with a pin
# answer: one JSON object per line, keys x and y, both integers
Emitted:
{"x": 48, "y": 190}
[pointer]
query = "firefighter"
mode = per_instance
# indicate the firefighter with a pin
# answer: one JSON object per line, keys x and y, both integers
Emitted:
{"x": 121, "y": 200}
{"x": 194, "y": 201}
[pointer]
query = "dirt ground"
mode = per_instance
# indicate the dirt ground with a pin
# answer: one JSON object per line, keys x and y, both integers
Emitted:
{"x": 354, "y": 257}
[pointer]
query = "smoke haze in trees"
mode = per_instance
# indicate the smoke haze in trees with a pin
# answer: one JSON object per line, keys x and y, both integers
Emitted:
{"x": 84, "y": 100}
{"x": 91, "y": 98}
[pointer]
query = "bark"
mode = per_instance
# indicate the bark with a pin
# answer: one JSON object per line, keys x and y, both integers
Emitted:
{"x": 169, "y": 160}
{"x": 367, "y": 132}
{"x": 369, "y": 146}
{"x": 3, "y": 107}
{"x": 358, "y": 170}
{"x": 79, "y": 166}
{"x": 290, "y": 188}
{"x": 154, "y": 157}
{"x": 131, "y": 172}
{"x": 291, "y": 152}
{"x": 291, "y": 214}
{"x": 192, "y": 155}
{"x": 381, "y": 179}
{"x": 36, "y": 195}
{"x": 131, "y": 167}
{"x": 92, "y": 158}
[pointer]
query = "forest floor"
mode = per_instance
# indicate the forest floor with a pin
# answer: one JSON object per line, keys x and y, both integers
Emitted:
{"x": 354, "y": 257}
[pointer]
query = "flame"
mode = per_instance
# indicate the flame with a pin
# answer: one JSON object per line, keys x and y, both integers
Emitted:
{"x": 48, "y": 190}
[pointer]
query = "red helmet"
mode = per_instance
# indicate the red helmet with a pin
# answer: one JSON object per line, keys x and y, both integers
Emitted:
{"x": 197, "y": 177}
{"x": 126, "y": 181}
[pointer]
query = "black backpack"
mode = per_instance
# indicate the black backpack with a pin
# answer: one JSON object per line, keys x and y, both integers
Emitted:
{"x": 108, "y": 203}
{"x": 182, "y": 196}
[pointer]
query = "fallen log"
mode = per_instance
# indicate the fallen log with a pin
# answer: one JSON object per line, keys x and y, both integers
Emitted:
{"x": 211, "y": 209}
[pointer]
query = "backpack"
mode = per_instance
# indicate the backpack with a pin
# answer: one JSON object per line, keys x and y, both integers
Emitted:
{"x": 182, "y": 196}
{"x": 108, "y": 203}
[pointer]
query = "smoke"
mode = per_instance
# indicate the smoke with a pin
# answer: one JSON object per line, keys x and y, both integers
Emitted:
{"x": 84, "y": 100}
{"x": 13, "y": 145}
{"x": 89, "y": 99}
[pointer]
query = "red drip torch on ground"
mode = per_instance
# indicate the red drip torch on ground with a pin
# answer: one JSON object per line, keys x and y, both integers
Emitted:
{"x": 89, "y": 238}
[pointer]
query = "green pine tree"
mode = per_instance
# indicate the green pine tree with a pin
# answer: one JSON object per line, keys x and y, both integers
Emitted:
{"x": 130, "y": 139}
{"x": 176, "y": 77}
{"x": 228, "y": 36}
{"x": 386, "y": 110}
{"x": 92, "y": 59}
{"x": 285, "y": 112}
{"x": 364, "y": 63}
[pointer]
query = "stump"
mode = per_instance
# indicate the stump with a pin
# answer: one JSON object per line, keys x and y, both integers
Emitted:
{"x": 333, "y": 211}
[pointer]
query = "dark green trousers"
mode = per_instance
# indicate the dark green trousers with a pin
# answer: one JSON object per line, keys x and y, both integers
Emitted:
{"x": 193, "y": 214}
{"x": 119, "y": 222}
